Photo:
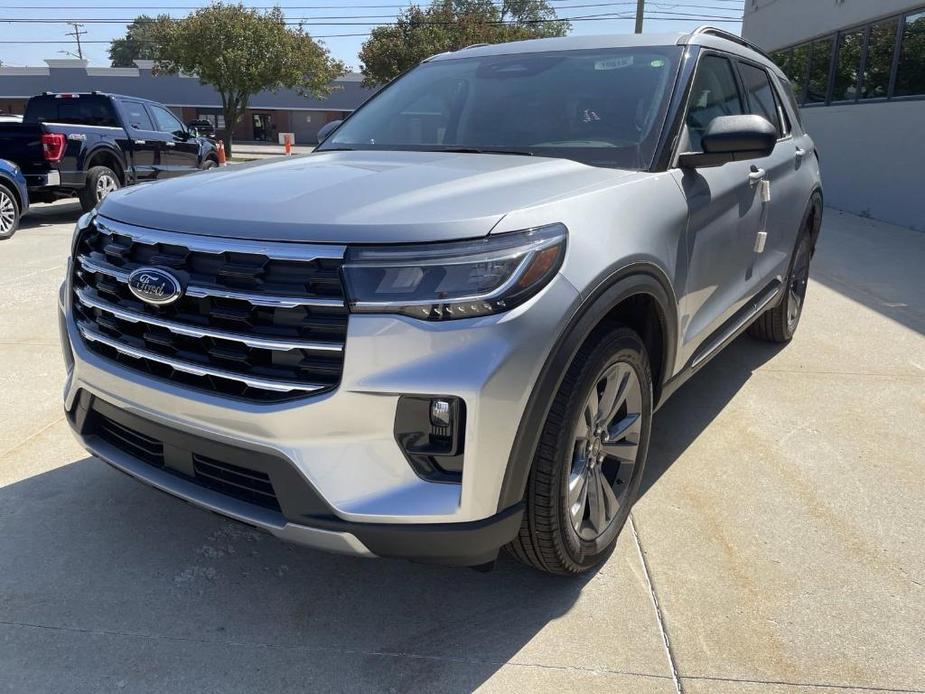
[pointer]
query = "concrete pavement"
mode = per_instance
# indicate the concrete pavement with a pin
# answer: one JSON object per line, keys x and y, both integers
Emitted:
{"x": 778, "y": 546}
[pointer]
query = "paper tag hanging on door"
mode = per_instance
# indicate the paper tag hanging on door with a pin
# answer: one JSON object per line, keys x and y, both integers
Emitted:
{"x": 765, "y": 191}
{"x": 760, "y": 240}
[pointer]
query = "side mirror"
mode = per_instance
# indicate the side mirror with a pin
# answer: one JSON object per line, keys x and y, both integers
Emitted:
{"x": 325, "y": 131}
{"x": 732, "y": 138}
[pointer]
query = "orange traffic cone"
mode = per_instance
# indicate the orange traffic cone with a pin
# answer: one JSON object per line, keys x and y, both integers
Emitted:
{"x": 288, "y": 140}
{"x": 222, "y": 161}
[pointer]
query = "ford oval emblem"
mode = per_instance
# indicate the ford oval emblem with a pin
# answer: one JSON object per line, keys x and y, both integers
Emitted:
{"x": 154, "y": 286}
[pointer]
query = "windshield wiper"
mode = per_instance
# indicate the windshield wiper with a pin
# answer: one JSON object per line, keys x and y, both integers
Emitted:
{"x": 476, "y": 150}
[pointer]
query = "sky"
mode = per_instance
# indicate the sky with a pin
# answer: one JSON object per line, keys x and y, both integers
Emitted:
{"x": 327, "y": 20}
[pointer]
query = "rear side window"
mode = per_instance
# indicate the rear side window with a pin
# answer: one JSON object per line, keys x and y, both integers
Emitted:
{"x": 72, "y": 110}
{"x": 760, "y": 94}
{"x": 715, "y": 93}
{"x": 136, "y": 116}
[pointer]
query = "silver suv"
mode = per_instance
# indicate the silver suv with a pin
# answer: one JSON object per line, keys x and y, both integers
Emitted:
{"x": 446, "y": 331}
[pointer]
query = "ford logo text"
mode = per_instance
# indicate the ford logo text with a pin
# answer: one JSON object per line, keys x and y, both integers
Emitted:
{"x": 154, "y": 286}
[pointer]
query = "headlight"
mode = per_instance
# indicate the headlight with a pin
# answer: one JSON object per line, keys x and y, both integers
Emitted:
{"x": 460, "y": 279}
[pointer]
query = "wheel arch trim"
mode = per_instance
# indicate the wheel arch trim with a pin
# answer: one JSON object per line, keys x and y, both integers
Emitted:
{"x": 611, "y": 288}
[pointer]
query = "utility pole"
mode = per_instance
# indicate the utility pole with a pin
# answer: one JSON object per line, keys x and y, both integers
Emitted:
{"x": 640, "y": 11}
{"x": 77, "y": 33}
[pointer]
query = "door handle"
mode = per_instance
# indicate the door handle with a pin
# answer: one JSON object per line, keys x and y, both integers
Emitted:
{"x": 141, "y": 142}
{"x": 800, "y": 153}
{"x": 171, "y": 144}
{"x": 756, "y": 176}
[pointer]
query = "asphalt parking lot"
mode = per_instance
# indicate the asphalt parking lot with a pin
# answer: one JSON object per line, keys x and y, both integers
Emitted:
{"x": 779, "y": 545}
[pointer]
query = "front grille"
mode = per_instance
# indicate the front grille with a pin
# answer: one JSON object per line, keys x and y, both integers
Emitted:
{"x": 132, "y": 442}
{"x": 248, "y": 485}
{"x": 259, "y": 321}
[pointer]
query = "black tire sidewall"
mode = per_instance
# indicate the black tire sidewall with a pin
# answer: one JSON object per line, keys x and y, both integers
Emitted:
{"x": 619, "y": 345}
{"x": 88, "y": 195}
{"x": 17, "y": 212}
{"x": 804, "y": 240}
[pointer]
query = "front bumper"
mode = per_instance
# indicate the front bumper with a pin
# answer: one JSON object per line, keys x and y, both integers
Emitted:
{"x": 341, "y": 446}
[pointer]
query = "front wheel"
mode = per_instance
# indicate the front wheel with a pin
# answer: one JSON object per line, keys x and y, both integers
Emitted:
{"x": 589, "y": 462}
{"x": 9, "y": 213}
{"x": 209, "y": 164}
{"x": 101, "y": 181}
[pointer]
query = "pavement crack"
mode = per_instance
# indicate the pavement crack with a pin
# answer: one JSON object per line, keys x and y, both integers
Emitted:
{"x": 26, "y": 440}
{"x": 805, "y": 685}
{"x": 672, "y": 664}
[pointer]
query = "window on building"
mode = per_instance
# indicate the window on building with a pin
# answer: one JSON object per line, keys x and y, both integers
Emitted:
{"x": 910, "y": 76}
{"x": 761, "y": 101}
{"x": 796, "y": 70}
{"x": 848, "y": 66}
{"x": 881, "y": 46}
{"x": 714, "y": 94}
{"x": 820, "y": 63}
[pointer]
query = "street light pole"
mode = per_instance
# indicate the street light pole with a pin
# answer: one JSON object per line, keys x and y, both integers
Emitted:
{"x": 640, "y": 11}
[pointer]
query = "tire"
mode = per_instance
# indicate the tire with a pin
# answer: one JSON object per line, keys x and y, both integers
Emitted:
{"x": 209, "y": 164}
{"x": 553, "y": 537}
{"x": 779, "y": 324}
{"x": 101, "y": 180}
{"x": 9, "y": 213}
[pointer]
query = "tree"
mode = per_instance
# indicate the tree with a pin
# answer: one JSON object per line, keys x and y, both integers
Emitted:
{"x": 139, "y": 42}
{"x": 242, "y": 51}
{"x": 448, "y": 25}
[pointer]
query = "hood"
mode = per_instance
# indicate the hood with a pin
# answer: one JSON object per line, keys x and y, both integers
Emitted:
{"x": 355, "y": 197}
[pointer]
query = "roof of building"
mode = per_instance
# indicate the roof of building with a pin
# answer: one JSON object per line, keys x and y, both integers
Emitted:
{"x": 174, "y": 90}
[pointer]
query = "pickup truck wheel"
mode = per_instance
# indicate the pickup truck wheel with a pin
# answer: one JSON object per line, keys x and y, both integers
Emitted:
{"x": 209, "y": 164}
{"x": 9, "y": 213}
{"x": 588, "y": 464}
{"x": 101, "y": 181}
{"x": 780, "y": 323}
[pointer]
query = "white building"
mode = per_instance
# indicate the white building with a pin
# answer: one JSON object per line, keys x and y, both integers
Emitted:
{"x": 858, "y": 68}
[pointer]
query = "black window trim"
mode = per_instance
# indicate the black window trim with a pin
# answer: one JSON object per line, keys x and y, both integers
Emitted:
{"x": 866, "y": 26}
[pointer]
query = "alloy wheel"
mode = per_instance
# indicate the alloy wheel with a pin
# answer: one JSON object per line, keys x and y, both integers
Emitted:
{"x": 7, "y": 214}
{"x": 605, "y": 449}
{"x": 105, "y": 184}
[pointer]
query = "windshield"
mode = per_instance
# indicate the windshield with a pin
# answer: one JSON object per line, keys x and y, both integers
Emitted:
{"x": 602, "y": 107}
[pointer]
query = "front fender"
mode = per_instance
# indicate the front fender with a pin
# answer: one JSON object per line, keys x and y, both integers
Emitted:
{"x": 612, "y": 287}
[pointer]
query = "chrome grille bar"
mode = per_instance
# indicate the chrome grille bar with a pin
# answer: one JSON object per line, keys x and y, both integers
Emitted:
{"x": 89, "y": 300}
{"x": 92, "y": 335}
{"x": 277, "y": 250}
{"x": 267, "y": 300}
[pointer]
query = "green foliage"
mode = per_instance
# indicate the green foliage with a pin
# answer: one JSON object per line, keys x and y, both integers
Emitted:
{"x": 448, "y": 25}
{"x": 138, "y": 43}
{"x": 241, "y": 51}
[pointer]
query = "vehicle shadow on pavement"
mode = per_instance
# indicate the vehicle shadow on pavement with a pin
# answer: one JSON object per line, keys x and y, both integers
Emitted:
{"x": 46, "y": 215}
{"x": 89, "y": 550}
{"x": 697, "y": 403}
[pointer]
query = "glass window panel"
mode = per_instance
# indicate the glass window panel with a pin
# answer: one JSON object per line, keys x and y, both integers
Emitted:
{"x": 820, "y": 64}
{"x": 761, "y": 101}
{"x": 880, "y": 49}
{"x": 848, "y": 66}
{"x": 910, "y": 78}
{"x": 714, "y": 93}
{"x": 796, "y": 70}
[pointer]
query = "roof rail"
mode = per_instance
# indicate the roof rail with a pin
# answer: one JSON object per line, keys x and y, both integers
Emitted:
{"x": 474, "y": 45}
{"x": 729, "y": 36}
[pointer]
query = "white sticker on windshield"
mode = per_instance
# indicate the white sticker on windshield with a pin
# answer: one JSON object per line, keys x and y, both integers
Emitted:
{"x": 613, "y": 63}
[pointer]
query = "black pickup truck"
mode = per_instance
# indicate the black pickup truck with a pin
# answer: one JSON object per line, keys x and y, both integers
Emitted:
{"x": 89, "y": 144}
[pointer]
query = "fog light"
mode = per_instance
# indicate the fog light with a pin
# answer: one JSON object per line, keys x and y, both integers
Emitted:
{"x": 440, "y": 415}
{"x": 430, "y": 430}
